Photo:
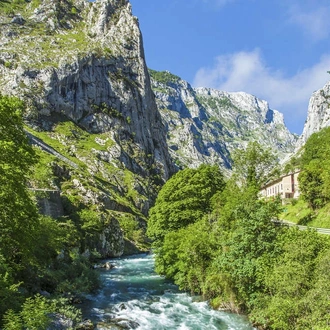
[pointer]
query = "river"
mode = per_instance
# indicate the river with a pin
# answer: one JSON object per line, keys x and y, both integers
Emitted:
{"x": 135, "y": 297}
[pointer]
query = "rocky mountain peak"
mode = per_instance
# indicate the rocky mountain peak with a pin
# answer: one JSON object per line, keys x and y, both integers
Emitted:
{"x": 206, "y": 125}
{"x": 318, "y": 115}
{"x": 79, "y": 66}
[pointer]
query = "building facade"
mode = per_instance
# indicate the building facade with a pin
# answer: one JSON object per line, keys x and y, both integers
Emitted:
{"x": 285, "y": 187}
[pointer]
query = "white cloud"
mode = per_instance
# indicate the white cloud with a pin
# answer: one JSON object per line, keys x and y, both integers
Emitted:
{"x": 314, "y": 21}
{"x": 247, "y": 71}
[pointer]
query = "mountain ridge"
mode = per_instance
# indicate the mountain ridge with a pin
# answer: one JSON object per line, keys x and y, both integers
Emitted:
{"x": 206, "y": 125}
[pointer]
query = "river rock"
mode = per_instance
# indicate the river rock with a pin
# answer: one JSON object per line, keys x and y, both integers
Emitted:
{"x": 109, "y": 265}
{"x": 106, "y": 326}
{"x": 122, "y": 307}
{"x": 85, "y": 325}
{"x": 125, "y": 324}
{"x": 60, "y": 322}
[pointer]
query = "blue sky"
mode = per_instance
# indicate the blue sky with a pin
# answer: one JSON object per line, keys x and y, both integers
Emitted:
{"x": 278, "y": 50}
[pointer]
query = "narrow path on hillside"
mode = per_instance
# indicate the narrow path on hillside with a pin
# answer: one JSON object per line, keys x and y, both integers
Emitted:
{"x": 36, "y": 141}
{"x": 325, "y": 231}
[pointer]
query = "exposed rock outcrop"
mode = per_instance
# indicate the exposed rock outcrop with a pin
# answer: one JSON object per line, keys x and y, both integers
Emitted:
{"x": 50, "y": 203}
{"x": 318, "y": 115}
{"x": 85, "y": 60}
{"x": 206, "y": 125}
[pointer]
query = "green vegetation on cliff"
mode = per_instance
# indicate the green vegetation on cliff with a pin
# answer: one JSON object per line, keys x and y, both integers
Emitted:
{"x": 164, "y": 77}
{"x": 100, "y": 175}
{"x": 234, "y": 255}
{"x": 29, "y": 242}
{"x": 184, "y": 199}
{"x": 315, "y": 176}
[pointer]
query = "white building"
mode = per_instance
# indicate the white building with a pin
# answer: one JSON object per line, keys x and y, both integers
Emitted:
{"x": 286, "y": 187}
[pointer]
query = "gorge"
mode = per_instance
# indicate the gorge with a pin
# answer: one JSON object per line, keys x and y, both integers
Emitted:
{"x": 111, "y": 131}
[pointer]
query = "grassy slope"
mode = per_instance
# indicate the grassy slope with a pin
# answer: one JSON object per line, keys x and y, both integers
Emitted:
{"x": 117, "y": 182}
{"x": 299, "y": 212}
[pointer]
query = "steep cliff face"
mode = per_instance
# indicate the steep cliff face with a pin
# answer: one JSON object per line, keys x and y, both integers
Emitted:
{"x": 80, "y": 68}
{"x": 318, "y": 115}
{"x": 206, "y": 126}
{"x": 84, "y": 60}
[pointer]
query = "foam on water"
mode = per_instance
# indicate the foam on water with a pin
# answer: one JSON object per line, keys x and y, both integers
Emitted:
{"x": 133, "y": 292}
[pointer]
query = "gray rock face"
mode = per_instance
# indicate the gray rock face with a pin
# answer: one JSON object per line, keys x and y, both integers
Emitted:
{"x": 88, "y": 64}
{"x": 318, "y": 115}
{"x": 111, "y": 241}
{"x": 50, "y": 204}
{"x": 206, "y": 126}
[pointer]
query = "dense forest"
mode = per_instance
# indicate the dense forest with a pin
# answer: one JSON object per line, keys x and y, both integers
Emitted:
{"x": 217, "y": 239}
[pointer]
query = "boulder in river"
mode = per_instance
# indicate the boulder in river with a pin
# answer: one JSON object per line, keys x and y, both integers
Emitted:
{"x": 107, "y": 326}
{"x": 85, "y": 325}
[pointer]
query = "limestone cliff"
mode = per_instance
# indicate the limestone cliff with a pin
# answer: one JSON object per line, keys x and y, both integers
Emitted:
{"x": 84, "y": 60}
{"x": 80, "y": 68}
{"x": 206, "y": 125}
{"x": 318, "y": 115}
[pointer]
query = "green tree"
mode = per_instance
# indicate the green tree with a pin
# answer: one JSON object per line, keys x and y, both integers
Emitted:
{"x": 27, "y": 240}
{"x": 311, "y": 184}
{"x": 9, "y": 295}
{"x": 288, "y": 282}
{"x": 18, "y": 213}
{"x": 316, "y": 147}
{"x": 317, "y": 299}
{"x": 315, "y": 176}
{"x": 183, "y": 200}
{"x": 37, "y": 313}
{"x": 250, "y": 249}
{"x": 254, "y": 166}
{"x": 292, "y": 165}
{"x": 186, "y": 255}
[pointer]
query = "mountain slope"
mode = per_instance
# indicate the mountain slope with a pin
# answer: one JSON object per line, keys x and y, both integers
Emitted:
{"x": 206, "y": 126}
{"x": 80, "y": 68}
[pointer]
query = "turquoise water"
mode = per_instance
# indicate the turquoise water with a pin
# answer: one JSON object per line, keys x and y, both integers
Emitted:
{"x": 133, "y": 292}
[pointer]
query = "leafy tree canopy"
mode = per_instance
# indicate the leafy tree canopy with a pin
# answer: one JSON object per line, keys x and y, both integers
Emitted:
{"x": 254, "y": 166}
{"x": 184, "y": 199}
{"x": 315, "y": 176}
{"x": 317, "y": 147}
{"x": 18, "y": 213}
